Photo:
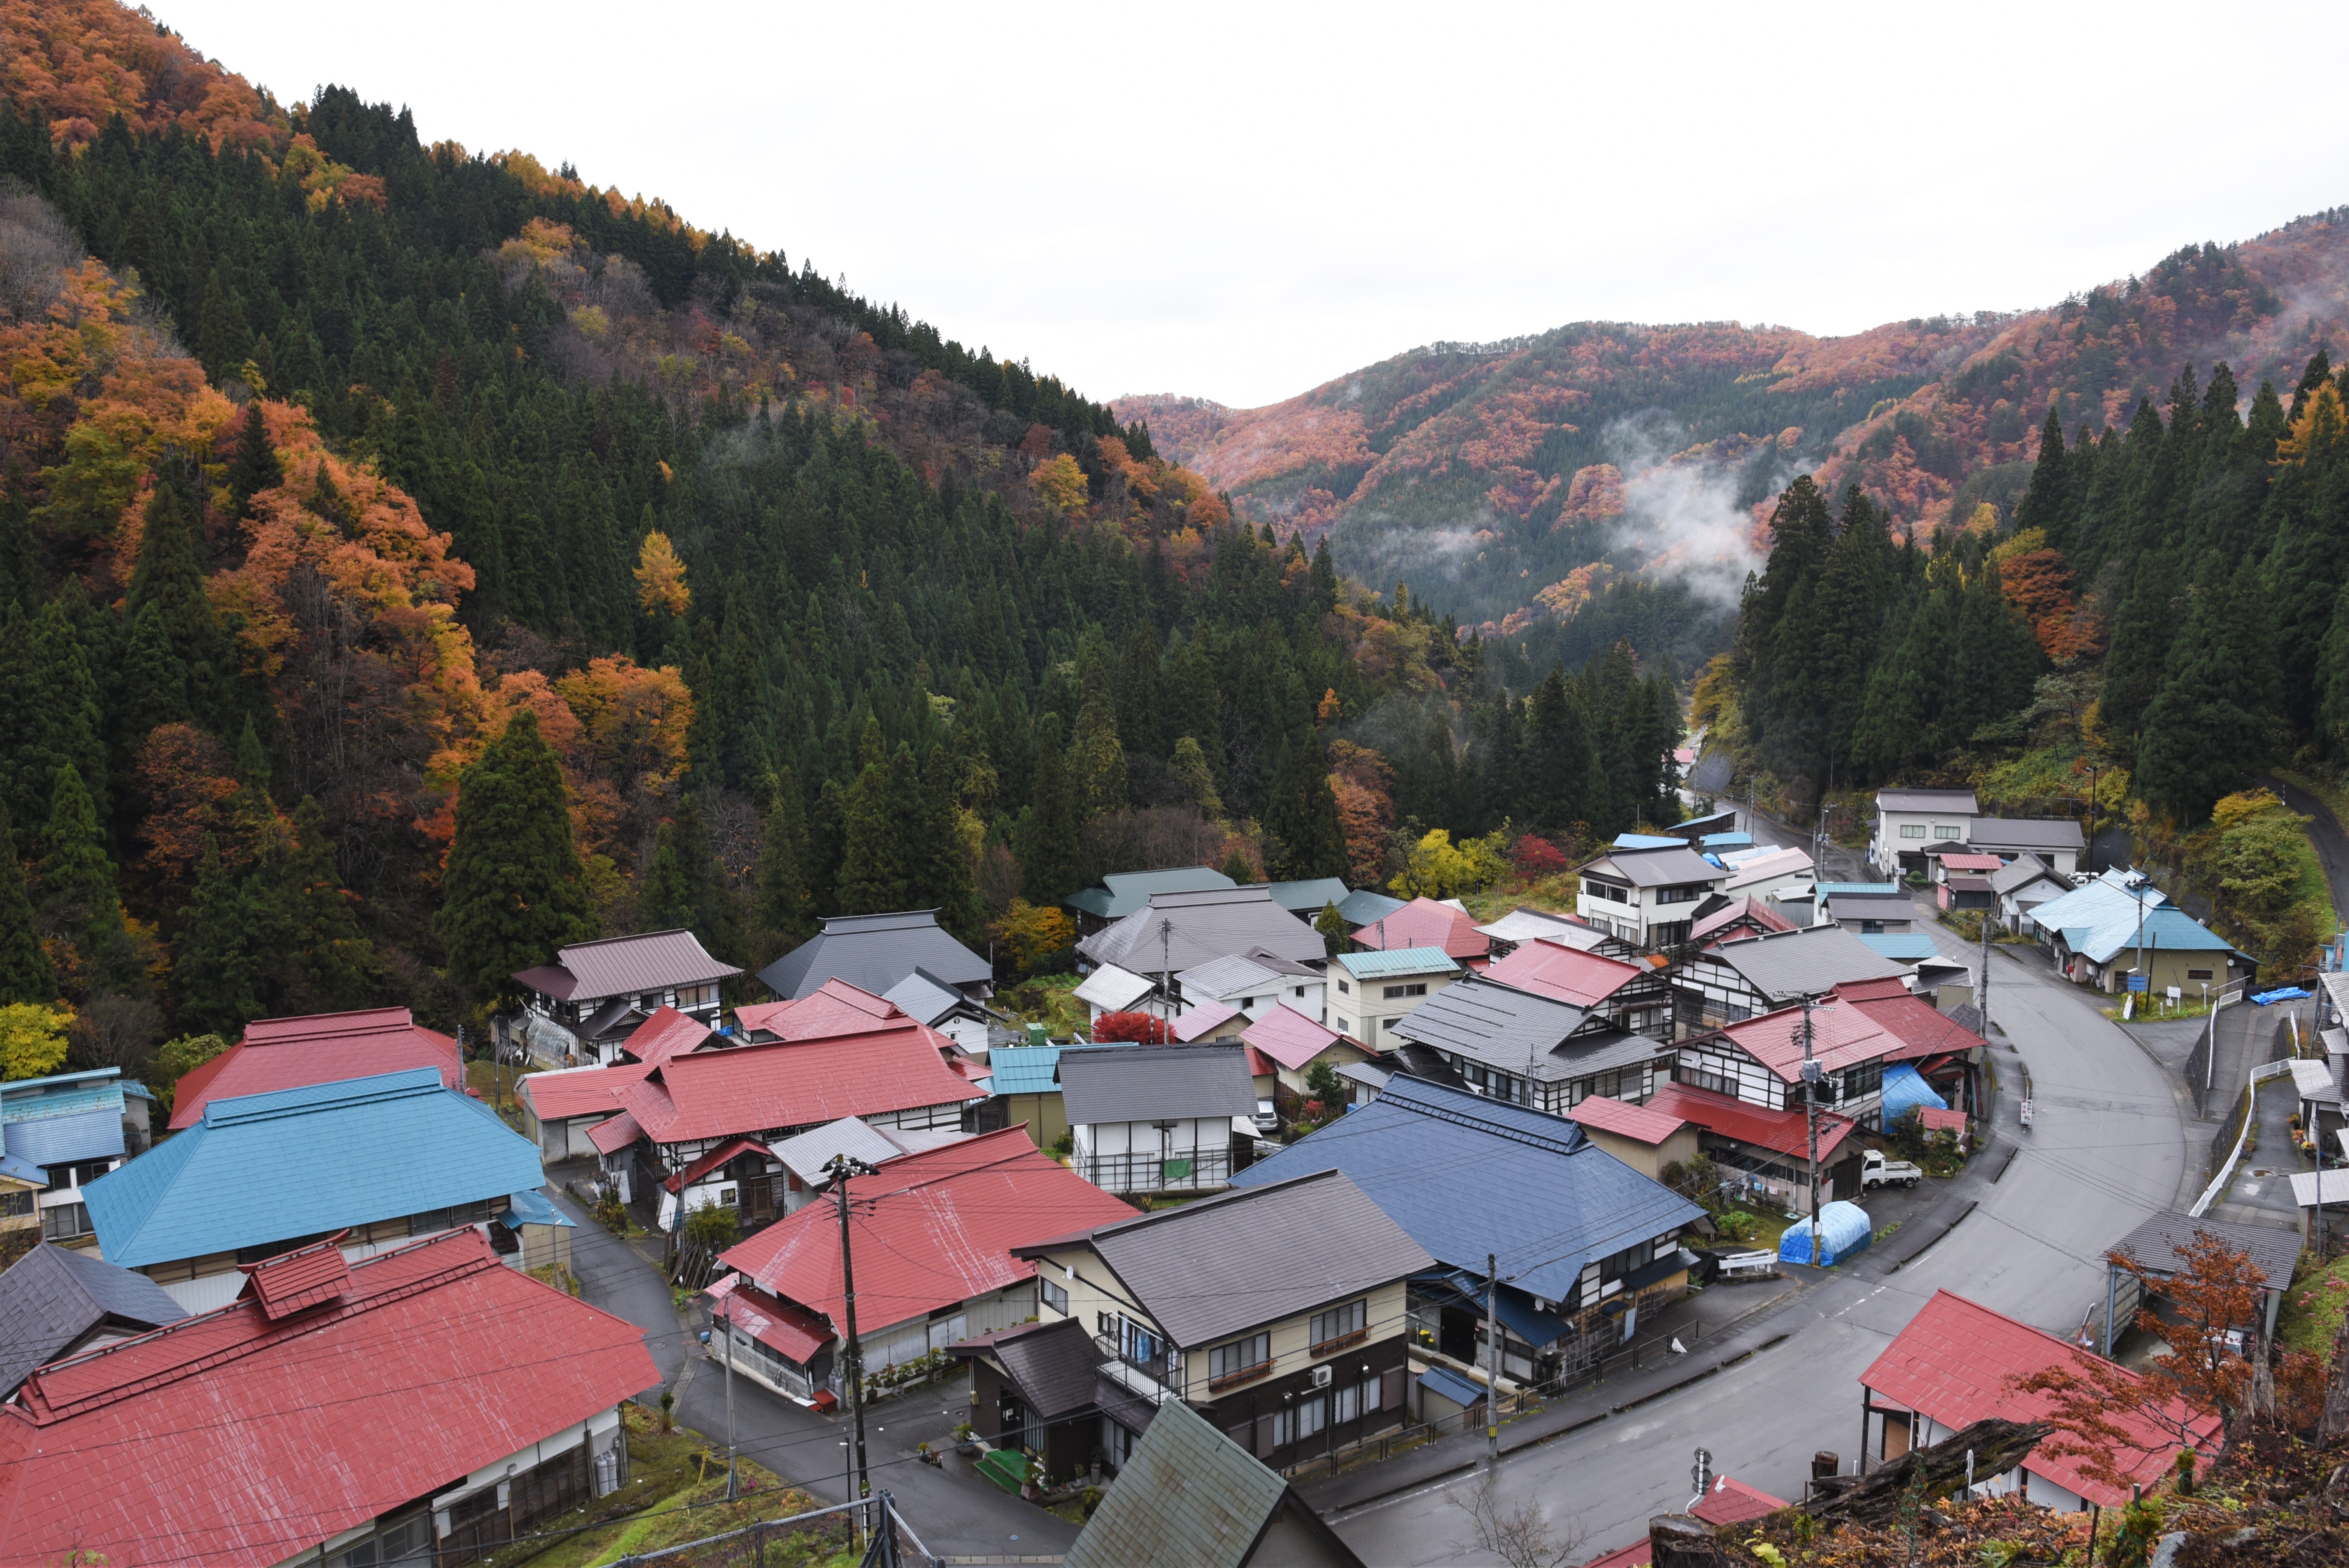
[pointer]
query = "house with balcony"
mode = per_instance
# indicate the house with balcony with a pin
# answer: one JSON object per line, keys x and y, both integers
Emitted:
{"x": 1765, "y": 1154}
{"x": 581, "y": 1008}
{"x": 1159, "y": 1118}
{"x": 1647, "y": 897}
{"x": 1534, "y": 1050}
{"x": 2021, "y": 886}
{"x": 1729, "y": 981}
{"x": 1370, "y": 993}
{"x": 1910, "y": 820}
{"x": 1278, "y": 1312}
{"x": 59, "y": 1135}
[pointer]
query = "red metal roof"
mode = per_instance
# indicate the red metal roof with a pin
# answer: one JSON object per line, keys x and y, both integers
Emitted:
{"x": 1752, "y": 912}
{"x": 1424, "y": 923}
{"x": 1784, "y": 1132}
{"x": 1842, "y": 1036}
{"x": 666, "y": 1033}
{"x": 302, "y": 1278}
{"x": 258, "y": 1439}
{"x": 1952, "y": 1363}
{"x": 1202, "y": 1022}
{"x": 831, "y": 1009}
{"x": 1639, "y": 1554}
{"x": 1562, "y": 973}
{"x": 1642, "y": 1123}
{"x": 611, "y": 1136}
{"x": 1936, "y": 1118}
{"x": 1291, "y": 1039}
{"x": 1921, "y": 1029}
{"x": 713, "y": 1159}
{"x": 624, "y": 966}
{"x": 1734, "y": 1502}
{"x": 579, "y": 1091}
{"x": 756, "y": 1088}
{"x": 320, "y": 1048}
{"x": 1972, "y": 862}
{"x": 776, "y": 1324}
{"x": 931, "y": 1229}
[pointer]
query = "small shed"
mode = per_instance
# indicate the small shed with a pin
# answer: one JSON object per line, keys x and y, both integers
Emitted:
{"x": 1845, "y": 1232}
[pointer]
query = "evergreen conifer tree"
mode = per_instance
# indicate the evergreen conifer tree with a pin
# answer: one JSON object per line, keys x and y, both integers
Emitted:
{"x": 785, "y": 910}
{"x": 514, "y": 891}
{"x": 49, "y": 713}
{"x": 2048, "y": 503}
{"x": 77, "y": 878}
{"x": 338, "y": 963}
{"x": 1139, "y": 728}
{"x": 2139, "y": 653}
{"x": 1097, "y": 761}
{"x": 1561, "y": 770}
{"x": 26, "y": 973}
{"x": 255, "y": 466}
{"x": 151, "y": 681}
{"x": 1288, "y": 837}
{"x": 1332, "y": 926}
{"x": 663, "y": 897}
{"x": 1192, "y": 781}
{"x": 1236, "y": 867}
{"x": 946, "y": 877}
{"x": 2211, "y": 727}
{"x": 216, "y": 971}
{"x": 878, "y": 858}
{"x": 1048, "y": 842}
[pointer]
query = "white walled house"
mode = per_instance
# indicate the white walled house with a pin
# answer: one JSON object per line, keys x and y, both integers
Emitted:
{"x": 1910, "y": 820}
{"x": 1374, "y": 991}
{"x": 1152, "y": 1119}
{"x": 1647, "y": 897}
{"x": 1254, "y": 982}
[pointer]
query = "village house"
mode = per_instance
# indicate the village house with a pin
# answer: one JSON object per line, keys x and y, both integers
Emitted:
{"x": 290, "y": 1053}
{"x": 1428, "y": 923}
{"x": 2058, "y": 841}
{"x": 393, "y": 1406}
{"x": 2022, "y": 885}
{"x": 933, "y": 1235}
{"x": 929, "y": 1000}
{"x": 372, "y": 1162}
{"x": 1647, "y": 897}
{"x": 59, "y": 1302}
{"x": 1631, "y": 994}
{"x": 1277, "y": 1311}
{"x": 2120, "y": 931}
{"x": 1955, "y": 1363}
{"x": 1290, "y": 1043}
{"x": 1254, "y": 982}
{"x": 1522, "y": 925}
{"x": 1724, "y": 919}
{"x": 692, "y": 1106}
{"x": 1110, "y": 989}
{"x": 1967, "y": 862}
{"x": 1868, "y": 915}
{"x": 59, "y": 1134}
{"x": 1533, "y": 1050}
{"x": 1024, "y": 1089}
{"x": 876, "y": 953}
{"x": 1769, "y": 874}
{"x": 1159, "y": 1118}
{"x": 1909, "y": 821}
{"x": 1210, "y": 1022}
{"x": 1859, "y": 1030}
{"x": 1175, "y": 931}
{"x": 1585, "y": 1242}
{"x": 833, "y": 1009}
{"x": 1372, "y": 992}
{"x": 1122, "y": 893}
{"x": 582, "y": 1007}
{"x": 1737, "y": 978}
{"x": 1766, "y": 1153}
{"x": 2161, "y": 1250}
{"x": 1642, "y": 1137}
{"x": 562, "y": 1109}
{"x": 1037, "y": 1392}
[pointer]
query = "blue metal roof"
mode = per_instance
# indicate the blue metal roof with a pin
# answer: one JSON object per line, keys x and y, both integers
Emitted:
{"x": 1903, "y": 947}
{"x": 1306, "y": 898}
{"x": 1025, "y": 1069}
{"x": 1467, "y": 1177}
{"x": 57, "y": 1140}
{"x": 1366, "y": 905}
{"x": 2107, "y": 915}
{"x": 1402, "y": 960}
{"x": 67, "y": 1094}
{"x": 295, "y": 1162}
{"x": 1645, "y": 841}
{"x": 1450, "y": 1385}
{"x": 1123, "y": 892}
{"x": 532, "y": 1207}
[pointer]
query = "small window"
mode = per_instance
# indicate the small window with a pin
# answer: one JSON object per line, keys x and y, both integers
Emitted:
{"x": 1299, "y": 989}
{"x": 1345, "y": 1025}
{"x": 1942, "y": 832}
{"x": 1345, "y": 989}
{"x": 64, "y": 1221}
{"x": 1312, "y": 1415}
{"x": 1395, "y": 990}
{"x": 2197, "y": 974}
{"x": 1055, "y": 1297}
{"x": 1339, "y": 1324}
{"x": 1912, "y": 830}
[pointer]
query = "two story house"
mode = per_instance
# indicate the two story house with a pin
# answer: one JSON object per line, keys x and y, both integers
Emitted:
{"x": 1533, "y": 1050}
{"x": 1728, "y": 981}
{"x": 1909, "y": 821}
{"x": 1647, "y": 897}
{"x": 1278, "y": 1312}
{"x": 580, "y": 1009}
{"x": 1370, "y": 993}
{"x": 1159, "y": 1118}
{"x": 1254, "y": 982}
{"x": 59, "y": 1135}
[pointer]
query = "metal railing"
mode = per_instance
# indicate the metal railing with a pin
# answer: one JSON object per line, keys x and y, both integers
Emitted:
{"x": 1156, "y": 1173}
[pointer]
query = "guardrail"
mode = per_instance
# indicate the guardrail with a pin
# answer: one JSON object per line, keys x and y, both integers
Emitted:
{"x": 2259, "y": 1074}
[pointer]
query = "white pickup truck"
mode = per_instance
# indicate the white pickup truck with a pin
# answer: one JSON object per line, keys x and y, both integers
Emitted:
{"x": 1875, "y": 1170}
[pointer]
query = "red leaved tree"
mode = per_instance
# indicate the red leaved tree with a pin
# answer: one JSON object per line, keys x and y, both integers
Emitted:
{"x": 1138, "y": 1027}
{"x": 1534, "y": 859}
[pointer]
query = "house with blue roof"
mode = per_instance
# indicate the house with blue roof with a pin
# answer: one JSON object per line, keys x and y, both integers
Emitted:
{"x": 1585, "y": 1243}
{"x": 374, "y": 1161}
{"x": 2121, "y": 926}
{"x": 57, "y": 1135}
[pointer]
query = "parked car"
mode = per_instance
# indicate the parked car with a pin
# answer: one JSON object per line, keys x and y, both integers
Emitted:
{"x": 1875, "y": 1170}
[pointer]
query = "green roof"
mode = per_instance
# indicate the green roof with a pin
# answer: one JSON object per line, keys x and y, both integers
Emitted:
{"x": 1123, "y": 892}
{"x": 1402, "y": 960}
{"x": 1188, "y": 1497}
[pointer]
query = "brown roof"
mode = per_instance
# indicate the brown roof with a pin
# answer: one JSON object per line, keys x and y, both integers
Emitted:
{"x": 618, "y": 966}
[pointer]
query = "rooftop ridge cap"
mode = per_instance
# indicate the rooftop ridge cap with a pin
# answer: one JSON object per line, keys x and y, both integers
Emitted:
{"x": 231, "y": 1118}
{"x": 1499, "y": 1129}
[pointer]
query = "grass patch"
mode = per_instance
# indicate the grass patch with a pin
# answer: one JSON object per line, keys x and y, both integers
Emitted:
{"x": 496, "y": 1084}
{"x": 2312, "y": 1309}
{"x": 1045, "y": 998}
{"x": 676, "y": 1492}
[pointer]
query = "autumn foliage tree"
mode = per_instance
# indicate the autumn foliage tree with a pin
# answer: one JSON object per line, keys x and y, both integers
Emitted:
{"x": 1140, "y": 1028}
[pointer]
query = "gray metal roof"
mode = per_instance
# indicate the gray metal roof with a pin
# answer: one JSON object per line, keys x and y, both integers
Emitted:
{"x": 2022, "y": 871}
{"x": 1189, "y": 1497}
{"x": 1202, "y": 926}
{"x": 924, "y": 998}
{"x": 2273, "y": 1250}
{"x": 1367, "y": 906}
{"x": 1491, "y": 1023}
{"x": 1808, "y": 961}
{"x": 1951, "y": 802}
{"x": 2025, "y": 832}
{"x": 874, "y": 952}
{"x": 53, "y": 1296}
{"x": 1207, "y": 1270}
{"x": 1155, "y": 1083}
{"x": 1306, "y": 898}
{"x": 611, "y": 966}
{"x": 1053, "y": 1365}
{"x": 1870, "y": 907}
{"x": 1658, "y": 868}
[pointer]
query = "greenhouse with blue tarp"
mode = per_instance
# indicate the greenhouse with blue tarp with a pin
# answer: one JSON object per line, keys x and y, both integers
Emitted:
{"x": 1905, "y": 1090}
{"x": 1845, "y": 1232}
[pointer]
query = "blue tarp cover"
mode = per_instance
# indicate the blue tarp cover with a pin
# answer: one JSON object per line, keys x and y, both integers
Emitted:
{"x": 1845, "y": 1231}
{"x": 1903, "y": 1089}
{"x": 2289, "y": 993}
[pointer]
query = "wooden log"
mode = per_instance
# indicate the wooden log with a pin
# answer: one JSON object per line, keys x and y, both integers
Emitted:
{"x": 1677, "y": 1540}
{"x": 1997, "y": 1445}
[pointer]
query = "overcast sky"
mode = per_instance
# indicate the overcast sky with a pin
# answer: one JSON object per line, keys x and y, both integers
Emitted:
{"x": 1241, "y": 202}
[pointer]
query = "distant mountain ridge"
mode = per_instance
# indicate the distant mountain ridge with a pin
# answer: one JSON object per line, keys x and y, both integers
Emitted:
{"x": 1517, "y": 478}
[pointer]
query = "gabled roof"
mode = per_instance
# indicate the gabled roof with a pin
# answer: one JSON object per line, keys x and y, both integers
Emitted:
{"x": 1242, "y": 974}
{"x": 1637, "y": 1123}
{"x": 1767, "y": 868}
{"x": 1123, "y": 892}
{"x": 1734, "y": 1502}
{"x": 1397, "y": 962}
{"x": 296, "y": 1281}
{"x": 287, "y": 1052}
{"x": 1901, "y": 946}
{"x": 1111, "y": 989}
{"x": 1466, "y": 1176}
{"x": 1025, "y": 1069}
{"x": 2053, "y": 834}
{"x": 1202, "y": 926}
{"x": 2105, "y": 917}
{"x": 2023, "y": 870}
{"x": 924, "y": 998}
{"x": 1782, "y": 1132}
{"x": 1968, "y": 861}
{"x": 1427, "y": 923}
{"x": 1189, "y": 1497}
{"x": 1564, "y": 973}
{"x": 53, "y": 1296}
{"x": 1517, "y": 1032}
{"x": 795, "y": 1083}
{"x": 617, "y": 966}
{"x": 666, "y": 1033}
{"x": 1829, "y": 889}
{"x": 1522, "y": 925}
{"x": 679, "y": 1181}
{"x": 1842, "y": 1035}
{"x": 874, "y": 952}
{"x": 1271, "y": 1249}
{"x": 1947, "y": 802}
{"x": 232, "y": 1407}
{"x": 2158, "y": 1243}
{"x": 1291, "y": 1039}
{"x": 1737, "y": 911}
{"x": 1953, "y": 1364}
{"x": 1364, "y": 905}
{"x": 1051, "y": 1364}
{"x": 610, "y": 1136}
{"x": 1155, "y": 1083}
{"x": 930, "y": 1230}
{"x": 806, "y": 1154}
{"x": 579, "y": 1091}
{"x": 1205, "y": 1022}
{"x": 1661, "y": 867}
{"x": 831, "y": 1010}
{"x": 1308, "y": 898}
{"x": 264, "y": 1167}
{"x": 1810, "y": 961}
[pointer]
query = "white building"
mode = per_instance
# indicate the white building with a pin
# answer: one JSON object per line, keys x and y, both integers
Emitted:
{"x": 1256, "y": 983}
{"x": 1908, "y": 821}
{"x": 1647, "y": 897}
{"x": 1376, "y": 990}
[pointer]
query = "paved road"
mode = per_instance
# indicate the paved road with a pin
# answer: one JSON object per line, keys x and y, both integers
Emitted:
{"x": 2107, "y": 1151}
{"x": 2324, "y": 832}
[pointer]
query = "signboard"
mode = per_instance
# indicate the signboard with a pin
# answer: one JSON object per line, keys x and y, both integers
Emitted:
{"x": 2175, "y": 994}
{"x": 2139, "y": 982}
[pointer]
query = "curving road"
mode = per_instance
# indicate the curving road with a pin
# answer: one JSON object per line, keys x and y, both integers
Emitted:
{"x": 2108, "y": 1150}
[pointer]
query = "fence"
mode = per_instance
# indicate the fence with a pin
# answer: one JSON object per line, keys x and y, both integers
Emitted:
{"x": 2241, "y": 1127}
{"x": 1198, "y": 1172}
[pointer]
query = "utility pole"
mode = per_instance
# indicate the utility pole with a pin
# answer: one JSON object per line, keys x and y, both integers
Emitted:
{"x": 842, "y": 1167}
{"x": 1814, "y": 1075}
{"x": 1166, "y": 971}
{"x": 732, "y": 1493}
{"x": 1982, "y": 992}
{"x": 2092, "y": 819}
{"x": 1493, "y": 1359}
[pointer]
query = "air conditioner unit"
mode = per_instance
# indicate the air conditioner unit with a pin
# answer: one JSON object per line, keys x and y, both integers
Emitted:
{"x": 1321, "y": 1377}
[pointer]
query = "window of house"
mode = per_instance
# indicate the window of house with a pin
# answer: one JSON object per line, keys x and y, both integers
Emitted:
{"x": 1345, "y": 1025}
{"x": 1394, "y": 991}
{"x": 1686, "y": 893}
{"x": 2197, "y": 974}
{"x": 1240, "y": 1358}
{"x": 1339, "y": 1324}
{"x": 19, "y": 1203}
{"x": 1864, "y": 1079}
{"x": 1345, "y": 989}
{"x": 1871, "y": 928}
{"x": 1348, "y": 1403}
{"x": 1942, "y": 832}
{"x": 1607, "y": 890}
{"x": 64, "y": 1221}
{"x": 1299, "y": 989}
{"x": 1056, "y": 1298}
{"x": 1312, "y": 1415}
{"x": 1912, "y": 830}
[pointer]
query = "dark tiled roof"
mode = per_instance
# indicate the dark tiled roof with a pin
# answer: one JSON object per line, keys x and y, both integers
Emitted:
{"x": 1052, "y": 1363}
{"x": 1808, "y": 961}
{"x": 53, "y": 1296}
{"x": 875, "y": 952}
{"x": 1155, "y": 1083}
{"x": 2273, "y": 1250}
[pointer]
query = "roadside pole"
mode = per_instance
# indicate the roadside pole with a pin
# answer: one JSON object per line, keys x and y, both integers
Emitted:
{"x": 1492, "y": 1360}
{"x": 1814, "y": 1075}
{"x": 842, "y": 1168}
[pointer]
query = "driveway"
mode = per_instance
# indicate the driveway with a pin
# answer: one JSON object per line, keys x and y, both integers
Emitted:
{"x": 2107, "y": 1151}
